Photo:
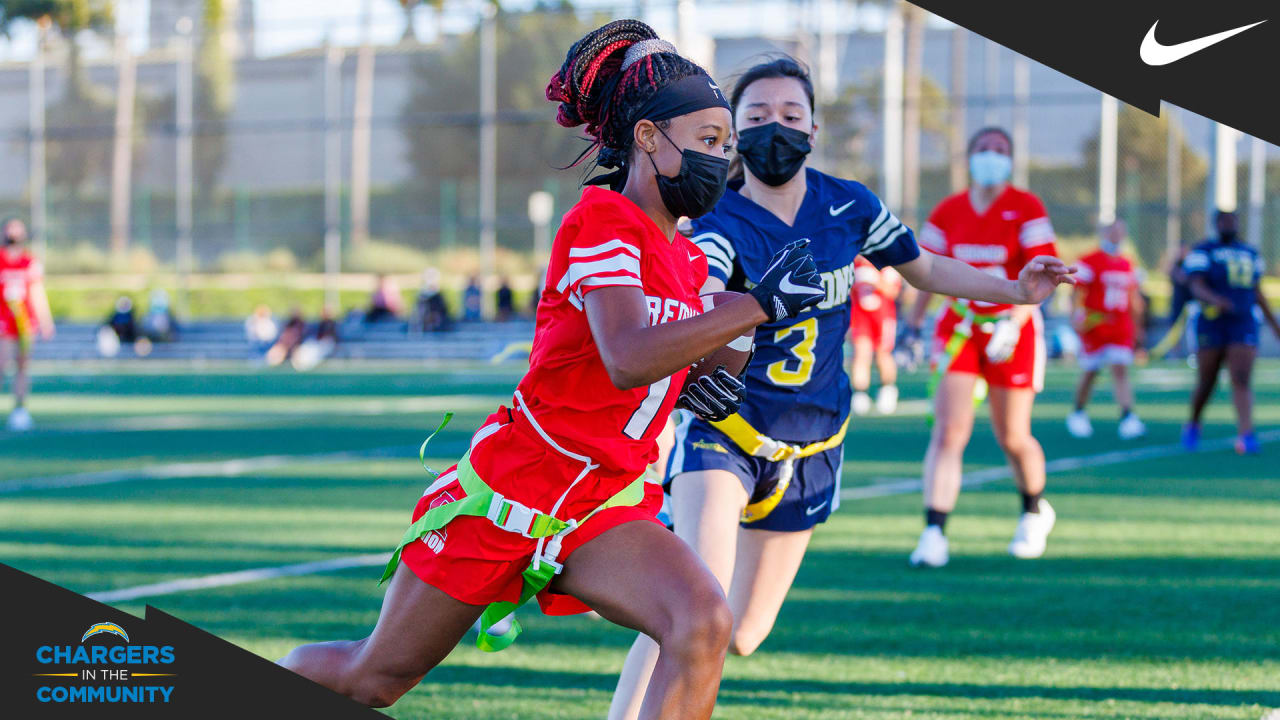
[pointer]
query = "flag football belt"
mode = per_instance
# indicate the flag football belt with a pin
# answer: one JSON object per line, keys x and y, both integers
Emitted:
{"x": 511, "y": 516}
{"x": 21, "y": 323}
{"x": 959, "y": 336}
{"x": 757, "y": 444}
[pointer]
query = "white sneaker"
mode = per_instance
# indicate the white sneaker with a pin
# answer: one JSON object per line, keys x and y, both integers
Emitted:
{"x": 19, "y": 420}
{"x": 931, "y": 551}
{"x": 1131, "y": 427}
{"x": 861, "y": 403}
{"x": 1078, "y": 424}
{"x": 1032, "y": 535}
{"x": 887, "y": 399}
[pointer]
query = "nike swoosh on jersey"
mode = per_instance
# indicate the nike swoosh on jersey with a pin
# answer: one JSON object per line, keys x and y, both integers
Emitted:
{"x": 693, "y": 258}
{"x": 785, "y": 285}
{"x": 837, "y": 210}
{"x": 1156, "y": 54}
{"x": 815, "y": 508}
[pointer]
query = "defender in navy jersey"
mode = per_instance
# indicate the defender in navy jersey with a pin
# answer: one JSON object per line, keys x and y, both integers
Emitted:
{"x": 747, "y": 491}
{"x": 1224, "y": 275}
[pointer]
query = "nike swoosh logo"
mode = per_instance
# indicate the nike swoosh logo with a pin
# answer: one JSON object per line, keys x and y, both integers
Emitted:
{"x": 1155, "y": 54}
{"x": 786, "y": 286}
{"x": 837, "y": 210}
{"x": 693, "y": 258}
{"x": 815, "y": 508}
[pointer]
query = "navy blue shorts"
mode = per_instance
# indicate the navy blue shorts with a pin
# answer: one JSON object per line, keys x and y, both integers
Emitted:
{"x": 811, "y": 497}
{"x": 1225, "y": 330}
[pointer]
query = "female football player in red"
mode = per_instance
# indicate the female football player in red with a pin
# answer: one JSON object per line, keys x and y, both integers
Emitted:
{"x": 549, "y": 500}
{"x": 24, "y": 312}
{"x": 996, "y": 228}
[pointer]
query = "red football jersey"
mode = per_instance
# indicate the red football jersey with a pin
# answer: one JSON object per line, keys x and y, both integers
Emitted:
{"x": 607, "y": 241}
{"x": 1013, "y": 230}
{"x": 874, "y": 290}
{"x": 1108, "y": 282}
{"x": 18, "y": 272}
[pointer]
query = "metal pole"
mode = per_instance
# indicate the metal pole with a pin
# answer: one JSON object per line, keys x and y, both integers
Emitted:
{"x": 1225, "y": 186}
{"x": 912, "y": 73}
{"x": 488, "y": 153}
{"x": 1257, "y": 190}
{"x": 183, "y": 163}
{"x": 1021, "y": 120}
{"x": 332, "y": 172}
{"x": 39, "y": 230}
{"x": 1108, "y": 138}
{"x": 362, "y": 117}
{"x": 893, "y": 106}
{"x": 959, "y": 106}
{"x": 991, "y": 84}
{"x": 1173, "y": 189}
{"x": 122, "y": 150}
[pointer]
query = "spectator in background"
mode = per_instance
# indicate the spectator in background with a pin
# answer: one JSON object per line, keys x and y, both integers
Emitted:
{"x": 535, "y": 297}
{"x": 122, "y": 320}
{"x": 431, "y": 312}
{"x": 327, "y": 328}
{"x": 471, "y": 300}
{"x": 260, "y": 329}
{"x": 158, "y": 324}
{"x": 386, "y": 302}
{"x": 291, "y": 336}
{"x": 506, "y": 301}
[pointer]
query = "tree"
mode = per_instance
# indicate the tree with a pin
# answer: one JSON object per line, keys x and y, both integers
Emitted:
{"x": 73, "y": 161}
{"x": 1143, "y": 169}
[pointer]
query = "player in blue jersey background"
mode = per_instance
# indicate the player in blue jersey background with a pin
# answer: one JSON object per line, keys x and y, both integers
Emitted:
{"x": 747, "y": 492}
{"x": 1224, "y": 275}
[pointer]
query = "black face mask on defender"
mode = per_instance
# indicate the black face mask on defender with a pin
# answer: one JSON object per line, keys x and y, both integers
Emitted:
{"x": 774, "y": 153}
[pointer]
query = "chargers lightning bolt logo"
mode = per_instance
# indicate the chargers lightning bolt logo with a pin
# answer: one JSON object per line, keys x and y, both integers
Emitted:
{"x": 105, "y": 627}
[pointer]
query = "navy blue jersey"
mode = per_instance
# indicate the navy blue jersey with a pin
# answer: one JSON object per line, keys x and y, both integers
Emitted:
{"x": 797, "y": 388}
{"x": 1230, "y": 269}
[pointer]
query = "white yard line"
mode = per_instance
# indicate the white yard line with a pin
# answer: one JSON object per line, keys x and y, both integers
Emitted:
{"x": 210, "y": 468}
{"x": 890, "y": 487}
{"x": 236, "y": 578}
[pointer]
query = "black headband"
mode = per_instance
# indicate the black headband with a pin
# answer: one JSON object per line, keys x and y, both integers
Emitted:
{"x": 684, "y": 96}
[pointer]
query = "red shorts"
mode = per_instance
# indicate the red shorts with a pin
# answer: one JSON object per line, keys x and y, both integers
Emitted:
{"x": 878, "y": 324}
{"x": 1023, "y": 369}
{"x": 1104, "y": 334}
{"x": 474, "y": 561}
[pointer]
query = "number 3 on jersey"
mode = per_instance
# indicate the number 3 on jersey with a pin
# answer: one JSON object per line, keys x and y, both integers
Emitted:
{"x": 795, "y": 371}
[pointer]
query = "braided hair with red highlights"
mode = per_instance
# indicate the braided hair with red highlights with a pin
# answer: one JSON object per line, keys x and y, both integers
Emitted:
{"x": 594, "y": 89}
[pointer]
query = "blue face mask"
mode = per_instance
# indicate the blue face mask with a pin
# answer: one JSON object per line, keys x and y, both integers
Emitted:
{"x": 989, "y": 168}
{"x": 1110, "y": 248}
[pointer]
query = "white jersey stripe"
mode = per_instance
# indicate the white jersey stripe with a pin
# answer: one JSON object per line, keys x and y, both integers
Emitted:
{"x": 1036, "y": 232}
{"x": 932, "y": 238}
{"x": 902, "y": 229}
{"x": 579, "y": 270}
{"x": 604, "y": 248}
{"x": 643, "y": 417}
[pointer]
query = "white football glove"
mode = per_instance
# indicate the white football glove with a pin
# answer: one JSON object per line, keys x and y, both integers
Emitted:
{"x": 1004, "y": 339}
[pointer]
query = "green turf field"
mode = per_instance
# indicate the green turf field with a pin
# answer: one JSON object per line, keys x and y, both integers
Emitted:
{"x": 1159, "y": 596}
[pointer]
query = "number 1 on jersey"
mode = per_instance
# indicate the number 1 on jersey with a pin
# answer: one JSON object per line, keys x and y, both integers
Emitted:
{"x": 781, "y": 372}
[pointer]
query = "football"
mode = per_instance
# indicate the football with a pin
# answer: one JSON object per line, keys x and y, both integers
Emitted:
{"x": 734, "y": 356}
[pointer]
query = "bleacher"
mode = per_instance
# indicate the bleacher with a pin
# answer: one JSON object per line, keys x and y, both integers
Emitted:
{"x": 225, "y": 340}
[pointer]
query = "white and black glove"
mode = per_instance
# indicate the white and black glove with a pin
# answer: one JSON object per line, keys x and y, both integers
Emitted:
{"x": 1004, "y": 340}
{"x": 713, "y": 397}
{"x": 790, "y": 284}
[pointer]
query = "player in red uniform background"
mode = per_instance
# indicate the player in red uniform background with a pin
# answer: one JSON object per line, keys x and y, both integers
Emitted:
{"x": 997, "y": 228}
{"x": 24, "y": 313}
{"x": 873, "y": 329}
{"x": 1107, "y": 300}
{"x": 618, "y": 324}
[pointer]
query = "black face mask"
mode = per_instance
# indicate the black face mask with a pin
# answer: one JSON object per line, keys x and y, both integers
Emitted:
{"x": 1229, "y": 235}
{"x": 699, "y": 185}
{"x": 773, "y": 153}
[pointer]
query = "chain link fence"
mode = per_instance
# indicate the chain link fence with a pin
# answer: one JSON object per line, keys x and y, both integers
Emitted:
{"x": 263, "y": 124}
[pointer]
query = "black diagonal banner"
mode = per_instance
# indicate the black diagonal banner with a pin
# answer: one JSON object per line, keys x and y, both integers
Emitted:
{"x": 65, "y": 656}
{"x": 1212, "y": 58}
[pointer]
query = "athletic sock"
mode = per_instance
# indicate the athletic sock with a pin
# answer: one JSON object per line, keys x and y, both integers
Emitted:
{"x": 1079, "y": 407}
{"x": 1031, "y": 502}
{"x": 1125, "y": 412}
{"x": 935, "y": 517}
